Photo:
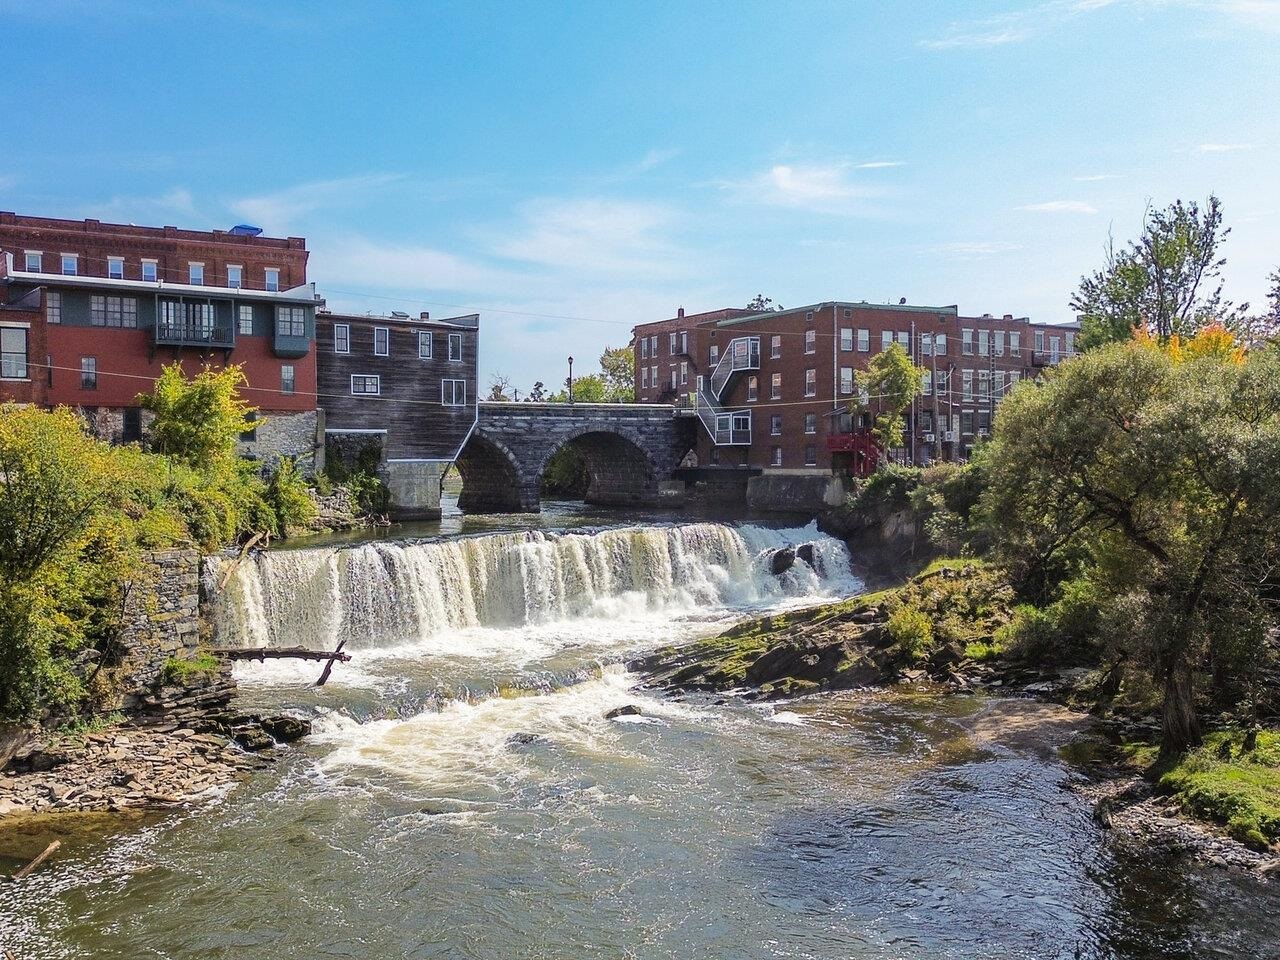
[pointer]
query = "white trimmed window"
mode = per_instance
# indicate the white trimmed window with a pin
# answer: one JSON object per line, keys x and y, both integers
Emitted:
{"x": 886, "y": 339}
{"x": 714, "y": 354}
{"x": 775, "y": 347}
{"x": 1015, "y": 343}
{"x": 846, "y": 380}
{"x": 88, "y": 373}
{"x": 775, "y": 386}
{"x": 33, "y": 261}
{"x": 966, "y": 342}
{"x": 776, "y": 460}
{"x": 113, "y": 311}
{"x": 424, "y": 345}
{"x": 644, "y": 378}
{"x": 811, "y": 382}
{"x": 684, "y": 372}
{"x": 288, "y": 381}
{"x": 365, "y": 385}
{"x": 846, "y": 338}
{"x": 453, "y": 393}
{"x": 753, "y": 387}
{"x": 926, "y": 383}
{"x": 1039, "y": 341}
{"x": 455, "y": 348}
{"x": 115, "y": 268}
{"x": 775, "y": 425}
{"x": 984, "y": 345}
{"x": 997, "y": 342}
{"x": 52, "y": 306}
{"x": 149, "y": 271}
{"x": 235, "y": 275}
{"x": 245, "y": 319}
{"x": 967, "y": 381}
{"x": 864, "y": 341}
{"x": 13, "y": 353}
{"x": 810, "y": 423}
{"x": 811, "y": 341}
{"x": 341, "y": 338}
{"x": 291, "y": 322}
{"x": 381, "y": 342}
{"x": 644, "y": 348}
{"x": 70, "y": 264}
{"x": 940, "y": 345}
{"x": 272, "y": 279}
{"x": 195, "y": 274}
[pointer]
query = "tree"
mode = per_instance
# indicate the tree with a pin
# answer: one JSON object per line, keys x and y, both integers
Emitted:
{"x": 538, "y": 394}
{"x": 1153, "y": 471}
{"x": 892, "y": 382}
{"x": 763, "y": 303}
{"x": 618, "y": 369}
{"x": 1258, "y": 329}
{"x": 1166, "y": 282}
{"x": 499, "y": 387}
{"x": 199, "y": 421}
{"x": 588, "y": 389}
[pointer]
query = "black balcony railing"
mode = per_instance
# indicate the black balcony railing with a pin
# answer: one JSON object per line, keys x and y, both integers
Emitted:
{"x": 188, "y": 334}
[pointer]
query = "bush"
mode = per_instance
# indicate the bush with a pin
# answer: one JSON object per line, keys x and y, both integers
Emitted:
{"x": 288, "y": 498}
{"x": 912, "y": 634}
{"x": 180, "y": 673}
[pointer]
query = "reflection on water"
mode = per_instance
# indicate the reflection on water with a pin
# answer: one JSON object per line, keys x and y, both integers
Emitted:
{"x": 517, "y": 822}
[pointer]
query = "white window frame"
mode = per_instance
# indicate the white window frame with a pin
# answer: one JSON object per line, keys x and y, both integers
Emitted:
{"x": 886, "y": 340}
{"x": 775, "y": 347}
{"x": 292, "y": 379}
{"x": 26, "y": 261}
{"x": 152, "y": 267}
{"x": 74, "y": 258}
{"x": 455, "y": 338}
{"x": 644, "y": 378}
{"x": 238, "y": 281}
{"x": 271, "y": 279}
{"x": 846, "y": 381}
{"x": 365, "y": 377}
{"x": 997, "y": 342}
{"x": 811, "y": 419}
{"x": 775, "y": 386}
{"x": 426, "y": 339}
{"x": 449, "y": 393}
{"x": 244, "y": 320}
{"x": 112, "y": 261}
{"x": 385, "y": 334}
{"x": 810, "y": 454}
{"x": 984, "y": 343}
{"x": 644, "y": 348}
{"x": 1015, "y": 343}
{"x": 342, "y": 341}
{"x": 864, "y": 340}
{"x": 753, "y": 388}
{"x": 25, "y": 369}
{"x": 810, "y": 341}
{"x": 194, "y": 267}
{"x": 940, "y": 345}
{"x": 846, "y": 339}
{"x": 775, "y": 425}
{"x": 966, "y": 343}
{"x": 811, "y": 382}
{"x": 776, "y": 458}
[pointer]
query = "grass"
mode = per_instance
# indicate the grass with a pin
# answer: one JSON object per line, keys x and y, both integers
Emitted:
{"x": 180, "y": 673}
{"x": 982, "y": 651}
{"x": 1240, "y": 790}
{"x": 81, "y": 727}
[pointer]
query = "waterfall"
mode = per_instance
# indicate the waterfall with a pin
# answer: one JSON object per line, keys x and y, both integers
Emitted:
{"x": 388, "y": 593}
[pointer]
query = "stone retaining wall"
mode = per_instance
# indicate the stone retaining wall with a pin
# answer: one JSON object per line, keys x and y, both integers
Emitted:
{"x": 161, "y": 621}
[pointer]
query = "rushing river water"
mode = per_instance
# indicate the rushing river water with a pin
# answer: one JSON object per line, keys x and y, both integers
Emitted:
{"x": 463, "y": 795}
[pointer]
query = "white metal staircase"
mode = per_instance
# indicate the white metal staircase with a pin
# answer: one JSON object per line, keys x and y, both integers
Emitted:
{"x": 727, "y": 428}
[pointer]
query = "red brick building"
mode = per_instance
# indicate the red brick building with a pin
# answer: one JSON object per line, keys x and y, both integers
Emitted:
{"x": 773, "y": 389}
{"x": 92, "y": 311}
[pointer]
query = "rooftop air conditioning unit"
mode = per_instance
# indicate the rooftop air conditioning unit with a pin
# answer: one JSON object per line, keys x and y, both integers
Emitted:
{"x": 929, "y": 438}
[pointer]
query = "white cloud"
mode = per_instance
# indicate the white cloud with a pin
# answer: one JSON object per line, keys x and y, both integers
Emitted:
{"x": 823, "y": 189}
{"x": 1259, "y": 13}
{"x": 279, "y": 211}
{"x": 1223, "y": 147}
{"x": 1096, "y": 177}
{"x": 1060, "y": 206}
{"x": 175, "y": 204}
{"x": 353, "y": 260}
{"x": 878, "y": 164}
{"x": 973, "y": 249}
{"x": 1013, "y": 27}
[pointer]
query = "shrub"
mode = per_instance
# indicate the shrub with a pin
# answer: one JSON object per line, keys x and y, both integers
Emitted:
{"x": 912, "y": 633}
{"x": 288, "y": 498}
{"x": 179, "y": 673}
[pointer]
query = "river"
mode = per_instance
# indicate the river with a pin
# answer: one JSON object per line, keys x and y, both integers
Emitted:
{"x": 464, "y": 796}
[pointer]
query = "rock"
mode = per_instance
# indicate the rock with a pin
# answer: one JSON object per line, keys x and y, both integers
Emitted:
{"x": 782, "y": 560}
{"x": 808, "y": 553}
{"x": 253, "y": 739}
{"x": 629, "y": 710}
{"x": 526, "y": 739}
{"x": 286, "y": 729}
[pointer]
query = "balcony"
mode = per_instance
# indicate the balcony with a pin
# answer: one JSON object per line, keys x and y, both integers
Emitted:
{"x": 1049, "y": 358}
{"x": 183, "y": 333}
{"x": 727, "y": 428}
{"x": 742, "y": 353}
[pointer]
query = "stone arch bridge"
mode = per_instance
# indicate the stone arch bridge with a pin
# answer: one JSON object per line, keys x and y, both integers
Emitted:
{"x": 629, "y": 450}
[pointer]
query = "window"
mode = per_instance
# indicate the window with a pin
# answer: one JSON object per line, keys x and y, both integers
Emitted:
{"x": 132, "y": 429}
{"x": 926, "y": 383}
{"x": 365, "y": 385}
{"x": 287, "y": 381}
{"x": 966, "y": 342}
{"x": 997, "y": 342}
{"x": 810, "y": 423}
{"x": 671, "y": 343}
{"x": 775, "y": 425}
{"x": 846, "y": 380}
{"x": 425, "y": 345}
{"x": 53, "y": 306}
{"x": 714, "y": 354}
{"x": 864, "y": 341}
{"x": 848, "y": 314}
{"x": 966, "y": 421}
{"x": 846, "y": 338}
{"x": 886, "y": 339}
{"x": 113, "y": 311}
{"x": 984, "y": 385}
{"x": 1070, "y": 339}
{"x": 235, "y": 276}
{"x": 926, "y": 421}
{"x": 808, "y": 317}
{"x": 904, "y": 338}
{"x": 684, "y": 342}
{"x": 453, "y": 393}
{"x": 984, "y": 421}
{"x": 1013, "y": 378}
{"x": 715, "y": 456}
{"x": 1055, "y": 349}
{"x": 753, "y": 387}
{"x": 115, "y": 268}
{"x": 34, "y": 261}
{"x": 272, "y": 275}
{"x": 940, "y": 345}
{"x": 775, "y": 386}
{"x": 967, "y": 380}
{"x": 250, "y": 435}
{"x": 1039, "y": 341}
{"x": 984, "y": 346}
{"x": 775, "y": 347}
{"x": 811, "y": 341}
{"x": 13, "y": 353}
{"x": 88, "y": 373}
{"x": 341, "y": 338}
{"x": 942, "y": 384}
{"x": 291, "y": 322}
{"x": 644, "y": 348}
{"x": 381, "y": 342}
{"x": 653, "y": 346}
{"x": 684, "y": 372}
{"x": 149, "y": 271}
{"x": 653, "y": 376}
{"x": 70, "y": 264}
{"x": 644, "y": 377}
{"x": 810, "y": 455}
{"x": 195, "y": 274}
{"x": 776, "y": 458}
{"x": 246, "y": 320}
{"x": 998, "y": 385}
{"x": 811, "y": 382}
{"x": 675, "y": 377}
{"x": 926, "y": 344}
{"x": 455, "y": 347}
{"x": 1015, "y": 343}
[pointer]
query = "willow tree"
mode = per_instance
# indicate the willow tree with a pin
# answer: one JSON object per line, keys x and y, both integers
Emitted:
{"x": 1156, "y": 469}
{"x": 891, "y": 384}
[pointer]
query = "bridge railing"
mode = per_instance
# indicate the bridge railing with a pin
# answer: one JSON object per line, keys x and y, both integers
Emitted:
{"x": 743, "y": 353}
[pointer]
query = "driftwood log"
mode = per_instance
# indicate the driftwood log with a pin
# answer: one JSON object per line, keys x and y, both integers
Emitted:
{"x": 49, "y": 851}
{"x": 281, "y": 653}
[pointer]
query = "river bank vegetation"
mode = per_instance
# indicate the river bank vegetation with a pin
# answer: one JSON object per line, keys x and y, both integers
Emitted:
{"x": 79, "y": 514}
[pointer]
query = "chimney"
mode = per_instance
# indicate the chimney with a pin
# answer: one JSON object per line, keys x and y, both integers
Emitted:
{"x": 424, "y": 315}
{"x": 1008, "y": 316}
{"x": 680, "y": 313}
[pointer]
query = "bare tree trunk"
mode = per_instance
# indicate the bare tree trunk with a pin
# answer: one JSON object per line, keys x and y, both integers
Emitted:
{"x": 1179, "y": 725}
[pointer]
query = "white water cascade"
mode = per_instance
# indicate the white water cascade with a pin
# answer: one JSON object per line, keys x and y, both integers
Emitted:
{"x": 389, "y": 593}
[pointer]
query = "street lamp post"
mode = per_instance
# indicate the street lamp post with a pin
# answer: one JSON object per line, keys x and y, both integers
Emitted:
{"x": 571, "y": 379}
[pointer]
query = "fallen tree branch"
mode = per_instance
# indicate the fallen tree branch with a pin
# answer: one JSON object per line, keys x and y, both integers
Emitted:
{"x": 337, "y": 655}
{"x": 281, "y": 653}
{"x": 244, "y": 551}
{"x": 48, "y": 852}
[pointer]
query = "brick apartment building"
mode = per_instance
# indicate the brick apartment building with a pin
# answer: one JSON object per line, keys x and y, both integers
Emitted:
{"x": 408, "y": 385}
{"x": 90, "y": 312}
{"x": 773, "y": 389}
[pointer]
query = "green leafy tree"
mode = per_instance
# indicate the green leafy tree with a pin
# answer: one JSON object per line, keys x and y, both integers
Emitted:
{"x": 588, "y": 389}
{"x": 199, "y": 420}
{"x": 1154, "y": 472}
{"x": 539, "y": 393}
{"x": 762, "y": 303}
{"x": 618, "y": 369}
{"x": 892, "y": 382}
{"x": 1166, "y": 282}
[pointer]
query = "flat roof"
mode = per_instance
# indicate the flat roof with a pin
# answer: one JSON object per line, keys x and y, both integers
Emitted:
{"x": 469, "y": 321}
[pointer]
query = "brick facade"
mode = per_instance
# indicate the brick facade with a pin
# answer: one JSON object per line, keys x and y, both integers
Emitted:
{"x": 798, "y": 400}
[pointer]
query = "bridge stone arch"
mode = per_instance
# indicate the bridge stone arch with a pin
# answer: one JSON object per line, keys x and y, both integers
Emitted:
{"x": 629, "y": 449}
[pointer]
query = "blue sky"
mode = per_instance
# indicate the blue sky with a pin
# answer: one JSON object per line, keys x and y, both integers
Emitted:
{"x": 572, "y": 169}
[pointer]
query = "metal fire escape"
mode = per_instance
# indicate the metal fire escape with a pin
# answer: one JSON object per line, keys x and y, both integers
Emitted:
{"x": 727, "y": 428}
